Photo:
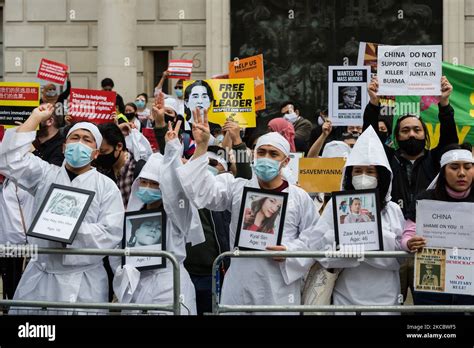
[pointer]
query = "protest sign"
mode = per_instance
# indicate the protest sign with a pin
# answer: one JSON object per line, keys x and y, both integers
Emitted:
{"x": 223, "y": 99}
{"x": 348, "y": 94}
{"x": 445, "y": 270}
{"x": 149, "y": 134}
{"x": 409, "y": 70}
{"x": 17, "y": 101}
{"x": 251, "y": 67}
{"x": 461, "y": 99}
{"x": 430, "y": 270}
{"x": 91, "y": 105}
{"x": 52, "y": 71}
{"x": 320, "y": 174}
{"x": 459, "y": 271}
{"x": 368, "y": 56}
{"x": 2, "y": 132}
{"x": 445, "y": 224}
{"x": 180, "y": 69}
{"x": 357, "y": 219}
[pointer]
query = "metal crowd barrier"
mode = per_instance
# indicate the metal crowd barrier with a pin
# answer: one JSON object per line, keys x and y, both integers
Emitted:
{"x": 218, "y": 308}
{"x": 174, "y": 307}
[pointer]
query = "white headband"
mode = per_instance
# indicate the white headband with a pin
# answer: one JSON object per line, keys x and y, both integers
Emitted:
{"x": 91, "y": 128}
{"x": 276, "y": 140}
{"x": 219, "y": 159}
{"x": 455, "y": 156}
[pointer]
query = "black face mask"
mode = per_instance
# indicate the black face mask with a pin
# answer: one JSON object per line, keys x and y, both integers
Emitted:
{"x": 383, "y": 136}
{"x": 170, "y": 119}
{"x": 130, "y": 116}
{"x": 412, "y": 146}
{"x": 350, "y": 135}
{"x": 107, "y": 161}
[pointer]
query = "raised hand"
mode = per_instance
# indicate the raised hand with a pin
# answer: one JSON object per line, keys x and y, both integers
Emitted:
{"x": 201, "y": 130}
{"x": 158, "y": 111}
{"x": 327, "y": 128}
{"x": 43, "y": 112}
{"x": 172, "y": 133}
{"x": 446, "y": 89}
{"x": 233, "y": 129}
{"x": 373, "y": 89}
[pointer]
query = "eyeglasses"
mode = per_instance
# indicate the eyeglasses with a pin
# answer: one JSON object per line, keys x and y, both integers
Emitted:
{"x": 177, "y": 87}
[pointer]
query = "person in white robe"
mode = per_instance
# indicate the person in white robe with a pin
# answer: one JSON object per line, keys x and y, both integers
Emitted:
{"x": 257, "y": 281}
{"x": 157, "y": 186}
{"x": 367, "y": 281}
{"x": 68, "y": 278}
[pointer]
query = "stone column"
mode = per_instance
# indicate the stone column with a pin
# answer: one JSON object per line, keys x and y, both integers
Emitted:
{"x": 454, "y": 31}
{"x": 217, "y": 37}
{"x": 117, "y": 48}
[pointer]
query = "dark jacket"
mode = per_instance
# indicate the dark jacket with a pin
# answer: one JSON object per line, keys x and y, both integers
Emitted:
{"x": 51, "y": 151}
{"x": 199, "y": 258}
{"x": 405, "y": 187}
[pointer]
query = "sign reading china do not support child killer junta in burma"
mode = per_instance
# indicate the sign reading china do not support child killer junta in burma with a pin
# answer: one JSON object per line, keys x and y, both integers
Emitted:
{"x": 409, "y": 70}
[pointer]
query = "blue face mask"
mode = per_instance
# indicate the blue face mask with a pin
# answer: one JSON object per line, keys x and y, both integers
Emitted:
{"x": 179, "y": 93}
{"x": 148, "y": 195}
{"x": 140, "y": 104}
{"x": 214, "y": 171}
{"x": 266, "y": 169}
{"x": 78, "y": 155}
{"x": 220, "y": 138}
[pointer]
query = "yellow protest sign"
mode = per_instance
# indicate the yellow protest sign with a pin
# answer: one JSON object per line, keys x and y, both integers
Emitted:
{"x": 320, "y": 174}
{"x": 233, "y": 98}
{"x": 251, "y": 67}
{"x": 17, "y": 101}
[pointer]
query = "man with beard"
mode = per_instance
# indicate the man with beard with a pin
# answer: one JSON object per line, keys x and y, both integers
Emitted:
{"x": 49, "y": 141}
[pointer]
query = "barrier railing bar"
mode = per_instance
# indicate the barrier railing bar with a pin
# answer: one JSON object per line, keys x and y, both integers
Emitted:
{"x": 216, "y": 307}
{"x": 9, "y": 249}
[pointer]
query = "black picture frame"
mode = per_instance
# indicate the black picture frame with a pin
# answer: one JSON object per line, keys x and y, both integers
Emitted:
{"x": 50, "y": 203}
{"x": 264, "y": 193}
{"x": 144, "y": 214}
{"x": 357, "y": 193}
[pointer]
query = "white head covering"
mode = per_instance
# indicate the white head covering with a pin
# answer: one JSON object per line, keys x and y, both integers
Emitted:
{"x": 369, "y": 151}
{"x": 151, "y": 171}
{"x": 276, "y": 140}
{"x": 450, "y": 157}
{"x": 91, "y": 128}
{"x": 219, "y": 159}
{"x": 335, "y": 149}
{"x": 172, "y": 104}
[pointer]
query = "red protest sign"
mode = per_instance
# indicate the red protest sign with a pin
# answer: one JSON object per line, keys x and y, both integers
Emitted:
{"x": 91, "y": 105}
{"x": 2, "y": 132}
{"x": 149, "y": 134}
{"x": 180, "y": 69}
{"x": 52, "y": 71}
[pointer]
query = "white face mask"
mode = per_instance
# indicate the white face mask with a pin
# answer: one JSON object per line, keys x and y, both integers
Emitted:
{"x": 320, "y": 121}
{"x": 291, "y": 117}
{"x": 364, "y": 182}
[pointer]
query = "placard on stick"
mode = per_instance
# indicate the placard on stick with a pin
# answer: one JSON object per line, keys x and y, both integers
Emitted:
{"x": 91, "y": 105}
{"x": 52, "y": 71}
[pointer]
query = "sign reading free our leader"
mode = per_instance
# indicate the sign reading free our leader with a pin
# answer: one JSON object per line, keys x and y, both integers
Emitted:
{"x": 445, "y": 224}
{"x": 409, "y": 70}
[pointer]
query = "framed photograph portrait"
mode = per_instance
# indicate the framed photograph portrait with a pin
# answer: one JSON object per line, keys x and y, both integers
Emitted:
{"x": 357, "y": 219}
{"x": 145, "y": 230}
{"x": 61, "y": 214}
{"x": 261, "y": 219}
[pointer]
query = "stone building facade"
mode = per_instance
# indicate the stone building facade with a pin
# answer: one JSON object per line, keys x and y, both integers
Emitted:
{"x": 129, "y": 40}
